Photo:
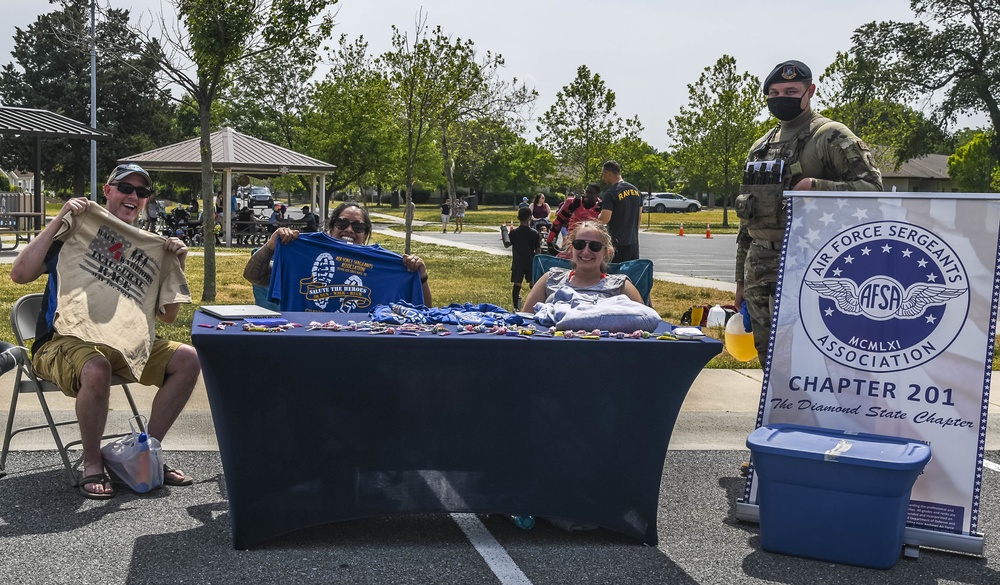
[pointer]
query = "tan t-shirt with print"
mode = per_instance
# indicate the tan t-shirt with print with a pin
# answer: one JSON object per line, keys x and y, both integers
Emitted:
{"x": 113, "y": 279}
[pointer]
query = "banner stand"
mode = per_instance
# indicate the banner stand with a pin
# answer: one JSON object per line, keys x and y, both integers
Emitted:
{"x": 884, "y": 322}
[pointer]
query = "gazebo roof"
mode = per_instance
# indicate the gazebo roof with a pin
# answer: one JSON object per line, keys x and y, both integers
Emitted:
{"x": 233, "y": 151}
{"x": 45, "y": 124}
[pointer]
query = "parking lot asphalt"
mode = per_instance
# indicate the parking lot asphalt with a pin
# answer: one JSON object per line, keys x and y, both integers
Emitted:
{"x": 48, "y": 534}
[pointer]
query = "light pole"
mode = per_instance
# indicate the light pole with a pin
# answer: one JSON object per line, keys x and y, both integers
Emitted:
{"x": 93, "y": 99}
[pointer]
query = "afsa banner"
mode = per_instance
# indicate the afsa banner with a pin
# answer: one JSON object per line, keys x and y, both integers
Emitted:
{"x": 884, "y": 323}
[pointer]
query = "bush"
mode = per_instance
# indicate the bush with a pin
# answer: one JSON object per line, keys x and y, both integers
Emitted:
{"x": 421, "y": 196}
{"x": 505, "y": 198}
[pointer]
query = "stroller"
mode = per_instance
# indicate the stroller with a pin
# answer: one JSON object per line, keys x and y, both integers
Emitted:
{"x": 542, "y": 226}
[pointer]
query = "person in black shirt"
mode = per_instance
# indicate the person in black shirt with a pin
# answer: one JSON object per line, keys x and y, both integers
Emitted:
{"x": 621, "y": 206}
{"x": 526, "y": 243}
{"x": 311, "y": 219}
{"x": 244, "y": 225}
{"x": 445, "y": 215}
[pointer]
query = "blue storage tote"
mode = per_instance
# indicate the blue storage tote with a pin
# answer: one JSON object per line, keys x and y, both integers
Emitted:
{"x": 834, "y": 495}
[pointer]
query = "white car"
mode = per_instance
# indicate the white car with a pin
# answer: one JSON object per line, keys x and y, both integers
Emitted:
{"x": 661, "y": 202}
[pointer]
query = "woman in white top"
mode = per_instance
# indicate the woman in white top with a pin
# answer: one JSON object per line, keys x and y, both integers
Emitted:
{"x": 592, "y": 251}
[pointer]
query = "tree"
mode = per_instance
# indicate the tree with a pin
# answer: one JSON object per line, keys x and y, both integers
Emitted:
{"x": 476, "y": 144}
{"x": 581, "y": 126}
{"x": 485, "y": 97}
{"x": 349, "y": 119}
{"x": 952, "y": 54}
{"x": 649, "y": 171}
{"x": 269, "y": 92}
{"x": 206, "y": 42}
{"x": 897, "y": 132}
{"x": 641, "y": 164}
{"x": 528, "y": 165}
{"x": 425, "y": 74}
{"x": 52, "y": 72}
{"x": 491, "y": 155}
{"x": 972, "y": 168}
{"x": 714, "y": 132}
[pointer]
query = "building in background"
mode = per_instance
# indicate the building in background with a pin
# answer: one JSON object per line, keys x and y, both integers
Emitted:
{"x": 21, "y": 181}
{"x": 925, "y": 174}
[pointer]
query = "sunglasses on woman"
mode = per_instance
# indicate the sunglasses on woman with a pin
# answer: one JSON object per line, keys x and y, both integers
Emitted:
{"x": 341, "y": 224}
{"x": 595, "y": 246}
{"x": 129, "y": 188}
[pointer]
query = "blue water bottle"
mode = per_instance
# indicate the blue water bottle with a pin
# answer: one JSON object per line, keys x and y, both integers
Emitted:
{"x": 144, "y": 483}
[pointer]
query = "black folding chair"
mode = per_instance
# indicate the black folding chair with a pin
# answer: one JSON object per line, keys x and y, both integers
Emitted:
{"x": 23, "y": 320}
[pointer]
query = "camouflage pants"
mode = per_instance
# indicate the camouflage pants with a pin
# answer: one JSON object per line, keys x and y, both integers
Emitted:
{"x": 760, "y": 304}
{"x": 758, "y": 291}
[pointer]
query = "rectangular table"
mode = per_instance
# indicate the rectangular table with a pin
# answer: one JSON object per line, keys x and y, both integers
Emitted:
{"x": 319, "y": 426}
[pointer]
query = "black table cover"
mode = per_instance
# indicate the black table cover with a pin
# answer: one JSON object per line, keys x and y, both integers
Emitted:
{"x": 319, "y": 426}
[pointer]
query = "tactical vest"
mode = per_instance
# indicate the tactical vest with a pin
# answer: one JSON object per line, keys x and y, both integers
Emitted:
{"x": 761, "y": 204}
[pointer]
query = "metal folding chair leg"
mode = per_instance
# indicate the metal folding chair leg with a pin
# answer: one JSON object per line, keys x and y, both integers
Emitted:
{"x": 26, "y": 377}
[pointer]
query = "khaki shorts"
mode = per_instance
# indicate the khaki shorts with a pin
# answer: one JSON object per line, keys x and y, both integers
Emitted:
{"x": 61, "y": 360}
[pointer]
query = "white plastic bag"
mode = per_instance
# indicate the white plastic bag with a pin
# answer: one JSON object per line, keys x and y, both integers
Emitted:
{"x": 136, "y": 460}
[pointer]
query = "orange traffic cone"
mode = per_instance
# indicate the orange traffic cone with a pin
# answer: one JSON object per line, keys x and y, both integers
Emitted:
{"x": 708, "y": 231}
{"x": 680, "y": 232}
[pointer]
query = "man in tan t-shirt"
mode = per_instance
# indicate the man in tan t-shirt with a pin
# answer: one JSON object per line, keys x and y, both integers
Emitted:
{"x": 108, "y": 282}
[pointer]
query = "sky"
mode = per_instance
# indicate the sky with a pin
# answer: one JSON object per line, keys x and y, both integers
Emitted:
{"x": 646, "y": 51}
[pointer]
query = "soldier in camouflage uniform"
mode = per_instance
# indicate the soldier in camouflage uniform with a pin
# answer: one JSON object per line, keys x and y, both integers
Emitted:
{"x": 818, "y": 154}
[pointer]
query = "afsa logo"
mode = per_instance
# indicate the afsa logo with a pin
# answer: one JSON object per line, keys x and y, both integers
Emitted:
{"x": 884, "y": 296}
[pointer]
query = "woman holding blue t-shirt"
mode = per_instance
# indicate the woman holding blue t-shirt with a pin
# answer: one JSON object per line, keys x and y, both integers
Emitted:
{"x": 351, "y": 223}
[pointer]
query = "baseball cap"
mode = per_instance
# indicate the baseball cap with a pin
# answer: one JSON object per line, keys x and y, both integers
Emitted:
{"x": 787, "y": 71}
{"x": 124, "y": 170}
{"x": 524, "y": 198}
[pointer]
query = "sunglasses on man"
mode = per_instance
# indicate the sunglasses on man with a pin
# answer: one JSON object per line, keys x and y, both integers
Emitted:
{"x": 128, "y": 189}
{"x": 594, "y": 245}
{"x": 341, "y": 223}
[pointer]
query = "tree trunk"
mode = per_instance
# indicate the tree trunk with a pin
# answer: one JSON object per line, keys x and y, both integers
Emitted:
{"x": 408, "y": 214}
{"x": 208, "y": 199}
{"x": 449, "y": 168}
{"x": 725, "y": 196}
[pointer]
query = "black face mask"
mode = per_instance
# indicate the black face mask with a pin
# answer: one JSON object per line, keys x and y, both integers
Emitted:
{"x": 785, "y": 108}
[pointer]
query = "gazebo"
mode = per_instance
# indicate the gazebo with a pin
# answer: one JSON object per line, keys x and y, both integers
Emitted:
{"x": 233, "y": 152}
{"x": 40, "y": 124}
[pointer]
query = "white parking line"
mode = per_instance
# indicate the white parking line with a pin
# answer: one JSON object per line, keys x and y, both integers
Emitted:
{"x": 990, "y": 465}
{"x": 495, "y": 555}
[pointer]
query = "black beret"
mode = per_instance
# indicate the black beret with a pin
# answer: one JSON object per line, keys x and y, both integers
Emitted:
{"x": 787, "y": 71}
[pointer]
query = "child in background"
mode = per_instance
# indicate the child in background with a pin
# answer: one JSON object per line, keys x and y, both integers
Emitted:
{"x": 526, "y": 243}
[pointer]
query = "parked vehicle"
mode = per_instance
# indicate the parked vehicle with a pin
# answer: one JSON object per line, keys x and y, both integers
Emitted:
{"x": 260, "y": 197}
{"x": 661, "y": 202}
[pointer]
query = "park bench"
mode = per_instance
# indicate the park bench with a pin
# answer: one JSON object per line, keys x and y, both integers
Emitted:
{"x": 18, "y": 217}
